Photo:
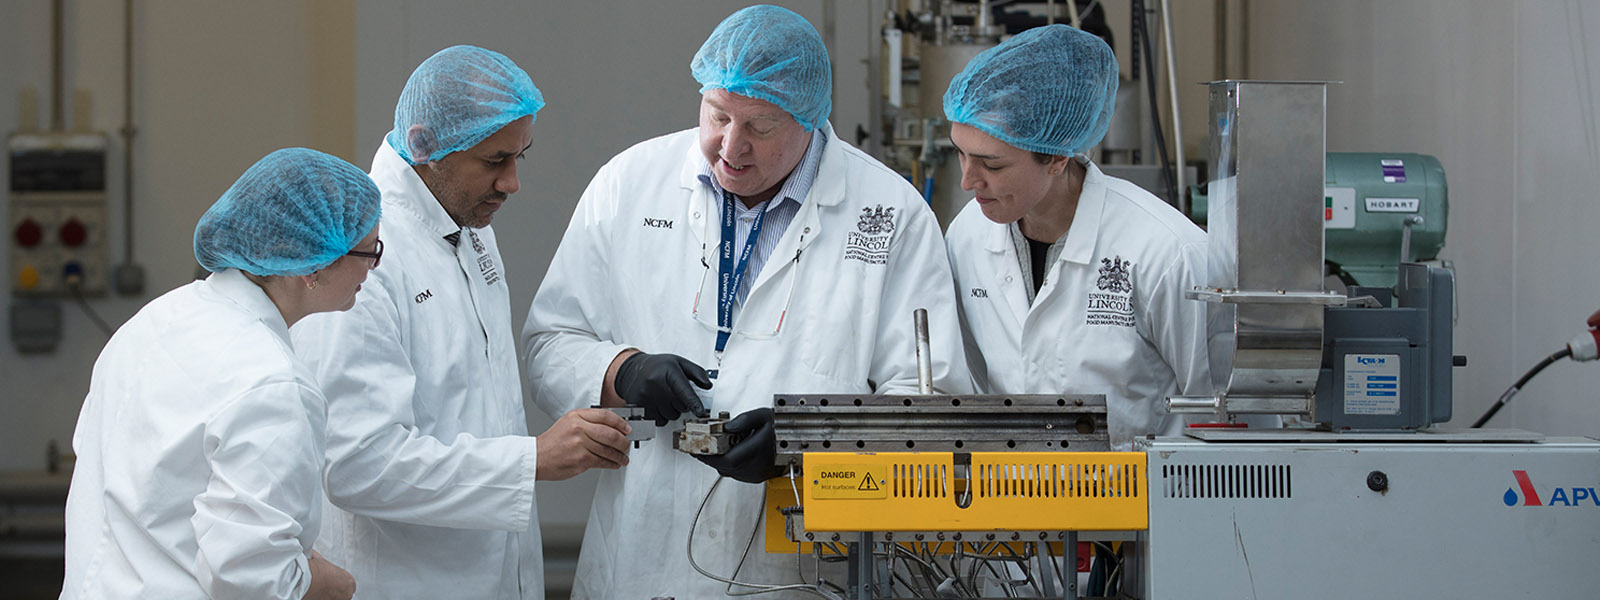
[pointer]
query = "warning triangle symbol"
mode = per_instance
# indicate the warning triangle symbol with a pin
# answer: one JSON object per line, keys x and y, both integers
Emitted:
{"x": 867, "y": 484}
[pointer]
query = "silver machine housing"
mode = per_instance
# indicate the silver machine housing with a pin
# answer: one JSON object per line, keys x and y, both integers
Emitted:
{"x": 1279, "y": 343}
{"x": 1372, "y": 502}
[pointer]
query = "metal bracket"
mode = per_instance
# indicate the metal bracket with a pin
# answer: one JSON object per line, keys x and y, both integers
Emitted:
{"x": 643, "y": 428}
{"x": 1206, "y": 294}
{"x": 704, "y": 437}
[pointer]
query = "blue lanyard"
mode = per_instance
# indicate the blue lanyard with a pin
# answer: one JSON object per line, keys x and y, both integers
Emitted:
{"x": 730, "y": 274}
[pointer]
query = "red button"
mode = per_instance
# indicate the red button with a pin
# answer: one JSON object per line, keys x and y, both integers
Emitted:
{"x": 73, "y": 233}
{"x": 29, "y": 234}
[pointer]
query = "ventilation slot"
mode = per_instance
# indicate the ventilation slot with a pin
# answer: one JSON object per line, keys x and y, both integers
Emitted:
{"x": 920, "y": 481}
{"x": 1056, "y": 481}
{"x": 1226, "y": 481}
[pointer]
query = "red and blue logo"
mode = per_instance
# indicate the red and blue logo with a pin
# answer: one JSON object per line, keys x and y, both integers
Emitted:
{"x": 1568, "y": 496}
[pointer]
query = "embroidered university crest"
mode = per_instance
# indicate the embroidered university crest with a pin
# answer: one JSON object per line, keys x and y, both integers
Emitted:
{"x": 875, "y": 221}
{"x": 1113, "y": 304}
{"x": 871, "y": 243}
{"x": 486, "y": 266}
{"x": 1114, "y": 276}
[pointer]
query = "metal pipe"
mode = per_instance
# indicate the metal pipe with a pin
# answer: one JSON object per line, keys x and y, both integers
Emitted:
{"x": 1177, "y": 121}
{"x": 1069, "y": 566}
{"x": 57, "y": 95}
{"x": 1244, "y": 39}
{"x": 1193, "y": 405}
{"x": 1219, "y": 29}
{"x": 924, "y": 358}
{"x": 1405, "y": 237}
{"x": 128, "y": 131}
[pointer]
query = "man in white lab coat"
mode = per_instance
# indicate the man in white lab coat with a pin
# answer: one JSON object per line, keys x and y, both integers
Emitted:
{"x": 430, "y": 470}
{"x": 807, "y": 255}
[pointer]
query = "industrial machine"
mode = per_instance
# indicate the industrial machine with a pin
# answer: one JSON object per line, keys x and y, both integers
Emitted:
{"x": 922, "y": 51}
{"x": 940, "y": 496}
{"x": 926, "y": 43}
{"x": 1282, "y": 344}
{"x": 1379, "y": 209}
{"x": 58, "y": 230}
{"x": 58, "y": 214}
{"x": 1372, "y": 499}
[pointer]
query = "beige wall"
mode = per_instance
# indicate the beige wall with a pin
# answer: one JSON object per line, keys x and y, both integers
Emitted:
{"x": 1500, "y": 92}
{"x": 218, "y": 85}
{"x": 1503, "y": 94}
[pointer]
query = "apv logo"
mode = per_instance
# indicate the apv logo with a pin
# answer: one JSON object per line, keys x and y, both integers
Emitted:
{"x": 1565, "y": 496}
{"x": 1370, "y": 360}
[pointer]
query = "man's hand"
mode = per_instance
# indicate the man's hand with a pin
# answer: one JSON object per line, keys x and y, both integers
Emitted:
{"x": 750, "y": 460}
{"x": 587, "y": 438}
{"x": 328, "y": 581}
{"x": 661, "y": 385}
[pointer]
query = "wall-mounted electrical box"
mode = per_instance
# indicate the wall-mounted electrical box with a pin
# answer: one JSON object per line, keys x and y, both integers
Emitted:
{"x": 58, "y": 214}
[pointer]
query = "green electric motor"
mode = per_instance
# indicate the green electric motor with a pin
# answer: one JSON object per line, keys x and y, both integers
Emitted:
{"x": 1368, "y": 199}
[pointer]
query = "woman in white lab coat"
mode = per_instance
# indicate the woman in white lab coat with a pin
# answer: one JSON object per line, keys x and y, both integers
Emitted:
{"x": 1070, "y": 281}
{"x": 200, "y": 442}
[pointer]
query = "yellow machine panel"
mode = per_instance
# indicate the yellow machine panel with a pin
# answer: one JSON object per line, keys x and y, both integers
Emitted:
{"x": 1030, "y": 491}
{"x": 1006, "y": 491}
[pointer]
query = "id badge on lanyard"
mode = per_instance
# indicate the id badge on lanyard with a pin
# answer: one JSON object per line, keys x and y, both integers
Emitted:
{"x": 730, "y": 273}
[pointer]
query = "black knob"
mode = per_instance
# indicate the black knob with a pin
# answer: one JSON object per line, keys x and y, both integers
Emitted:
{"x": 1377, "y": 481}
{"x": 1458, "y": 360}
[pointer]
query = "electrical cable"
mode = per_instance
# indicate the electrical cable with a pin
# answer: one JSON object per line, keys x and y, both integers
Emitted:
{"x": 1512, "y": 391}
{"x": 1051, "y": 554}
{"x": 1022, "y": 564}
{"x": 1088, "y": 8}
{"x": 927, "y": 569}
{"x": 799, "y": 563}
{"x": 1141, "y": 30}
{"x": 972, "y": 573}
{"x": 128, "y": 132}
{"x": 83, "y": 303}
{"x": 917, "y": 570}
{"x": 1112, "y": 584}
{"x": 838, "y": 554}
{"x": 759, "y": 588}
{"x": 1005, "y": 583}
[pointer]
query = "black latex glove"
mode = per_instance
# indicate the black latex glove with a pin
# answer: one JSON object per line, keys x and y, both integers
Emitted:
{"x": 755, "y": 446}
{"x": 661, "y": 384}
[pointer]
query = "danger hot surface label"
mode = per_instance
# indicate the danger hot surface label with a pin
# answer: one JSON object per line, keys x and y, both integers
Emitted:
{"x": 849, "y": 481}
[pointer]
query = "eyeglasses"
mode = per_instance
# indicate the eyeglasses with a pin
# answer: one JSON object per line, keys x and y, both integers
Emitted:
{"x": 376, "y": 257}
{"x": 773, "y": 324}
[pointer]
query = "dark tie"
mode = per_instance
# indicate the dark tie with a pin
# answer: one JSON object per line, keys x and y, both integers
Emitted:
{"x": 454, "y": 238}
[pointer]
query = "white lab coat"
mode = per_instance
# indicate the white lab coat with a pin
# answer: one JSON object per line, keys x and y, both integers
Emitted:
{"x": 1094, "y": 328}
{"x": 430, "y": 469}
{"x": 199, "y": 454}
{"x": 842, "y": 281}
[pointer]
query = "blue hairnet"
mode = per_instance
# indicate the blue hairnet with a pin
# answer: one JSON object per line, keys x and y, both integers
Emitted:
{"x": 1048, "y": 89}
{"x": 771, "y": 54}
{"x": 459, "y": 96}
{"x": 293, "y": 212}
